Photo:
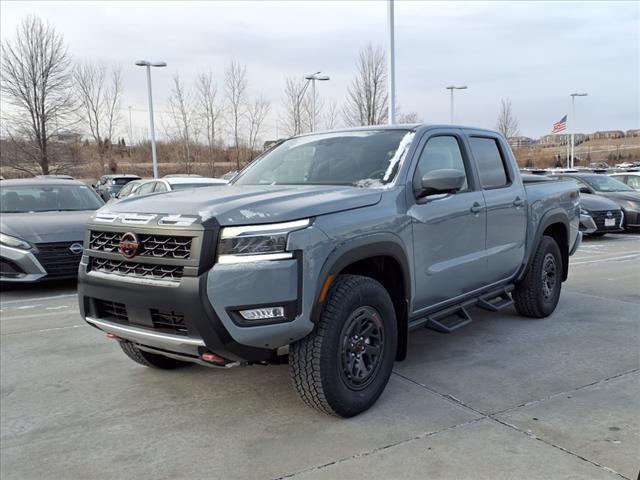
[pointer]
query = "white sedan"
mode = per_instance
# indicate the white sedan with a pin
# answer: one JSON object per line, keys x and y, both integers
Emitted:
{"x": 175, "y": 183}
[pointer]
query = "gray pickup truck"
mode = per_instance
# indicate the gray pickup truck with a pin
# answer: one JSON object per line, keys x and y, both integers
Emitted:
{"x": 330, "y": 247}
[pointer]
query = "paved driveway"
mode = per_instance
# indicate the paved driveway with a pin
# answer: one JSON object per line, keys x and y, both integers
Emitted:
{"x": 505, "y": 397}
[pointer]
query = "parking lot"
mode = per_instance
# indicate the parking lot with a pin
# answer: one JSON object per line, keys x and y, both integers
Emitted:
{"x": 505, "y": 397}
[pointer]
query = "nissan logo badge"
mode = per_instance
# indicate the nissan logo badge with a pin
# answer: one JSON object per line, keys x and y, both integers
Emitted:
{"x": 128, "y": 245}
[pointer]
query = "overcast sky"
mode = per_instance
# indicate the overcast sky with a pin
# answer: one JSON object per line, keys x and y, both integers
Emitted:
{"x": 535, "y": 53}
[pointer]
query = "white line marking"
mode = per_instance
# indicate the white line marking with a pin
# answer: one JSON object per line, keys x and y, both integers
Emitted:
{"x": 37, "y": 315}
{"x": 57, "y": 308}
{"x": 39, "y": 299}
{"x": 608, "y": 259}
{"x": 43, "y": 330}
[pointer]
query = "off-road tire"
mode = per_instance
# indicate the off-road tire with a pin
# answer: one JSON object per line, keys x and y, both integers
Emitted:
{"x": 317, "y": 362}
{"x": 529, "y": 295}
{"x": 150, "y": 359}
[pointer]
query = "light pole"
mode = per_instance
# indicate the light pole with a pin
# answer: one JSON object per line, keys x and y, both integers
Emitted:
{"x": 154, "y": 156}
{"x": 312, "y": 78}
{"x": 573, "y": 123}
{"x": 391, "y": 72}
{"x": 452, "y": 88}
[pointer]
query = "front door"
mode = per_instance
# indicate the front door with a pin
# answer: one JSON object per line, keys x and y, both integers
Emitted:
{"x": 448, "y": 230}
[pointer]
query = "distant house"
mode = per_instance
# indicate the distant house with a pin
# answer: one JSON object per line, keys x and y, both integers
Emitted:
{"x": 607, "y": 135}
{"x": 632, "y": 133}
{"x": 67, "y": 136}
{"x": 554, "y": 140}
{"x": 520, "y": 142}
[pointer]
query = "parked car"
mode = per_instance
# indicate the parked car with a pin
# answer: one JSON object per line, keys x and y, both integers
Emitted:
{"x": 599, "y": 215}
{"x": 109, "y": 185}
{"x": 632, "y": 179}
{"x": 603, "y": 185}
{"x": 334, "y": 245}
{"x": 58, "y": 176}
{"x": 42, "y": 228}
{"x": 169, "y": 184}
{"x": 129, "y": 189}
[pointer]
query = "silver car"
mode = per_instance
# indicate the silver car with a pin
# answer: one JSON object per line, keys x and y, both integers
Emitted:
{"x": 42, "y": 228}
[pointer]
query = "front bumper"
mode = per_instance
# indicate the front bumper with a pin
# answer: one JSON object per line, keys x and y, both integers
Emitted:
{"x": 26, "y": 266}
{"x": 205, "y": 331}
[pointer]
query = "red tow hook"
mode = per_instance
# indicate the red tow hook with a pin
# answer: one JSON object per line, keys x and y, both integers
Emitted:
{"x": 111, "y": 336}
{"x": 213, "y": 358}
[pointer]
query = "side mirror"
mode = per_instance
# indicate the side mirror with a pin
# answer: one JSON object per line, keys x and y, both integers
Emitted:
{"x": 584, "y": 190}
{"x": 445, "y": 180}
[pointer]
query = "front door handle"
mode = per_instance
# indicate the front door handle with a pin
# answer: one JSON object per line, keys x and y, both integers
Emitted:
{"x": 476, "y": 207}
{"x": 518, "y": 202}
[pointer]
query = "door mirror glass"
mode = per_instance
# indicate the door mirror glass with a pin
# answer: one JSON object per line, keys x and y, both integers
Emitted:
{"x": 445, "y": 180}
{"x": 585, "y": 190}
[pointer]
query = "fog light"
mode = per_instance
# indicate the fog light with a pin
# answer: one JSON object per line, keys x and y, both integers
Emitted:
{"x": 265, "y": 313}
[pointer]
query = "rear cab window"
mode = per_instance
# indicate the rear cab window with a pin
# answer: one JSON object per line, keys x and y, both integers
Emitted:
{"x": 491, "y": 164}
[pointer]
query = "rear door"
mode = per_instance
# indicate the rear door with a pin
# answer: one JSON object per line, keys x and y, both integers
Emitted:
{"x": 506, "y": 203}
{"x": 448, "y": 230}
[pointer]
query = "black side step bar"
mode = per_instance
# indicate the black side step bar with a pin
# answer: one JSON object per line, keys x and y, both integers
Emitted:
{"x": 447, "y": 322}
{"x": 494, "y": 303}
{"x": 455, "y": 316}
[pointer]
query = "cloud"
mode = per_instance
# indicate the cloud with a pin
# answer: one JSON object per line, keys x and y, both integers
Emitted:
{"x": 536, "y": 53}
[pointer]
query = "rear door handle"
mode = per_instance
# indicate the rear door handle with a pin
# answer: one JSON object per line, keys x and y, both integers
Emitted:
{"x": 476, "y": 207}
{"x": 518, "y": 202}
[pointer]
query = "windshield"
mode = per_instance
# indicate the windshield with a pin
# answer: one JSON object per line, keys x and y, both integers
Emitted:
{"x": 358, "y": 158}
{"x": 47, "y": 198}
{"x": 606, "y": 184}
{"x": 184, "y": 186}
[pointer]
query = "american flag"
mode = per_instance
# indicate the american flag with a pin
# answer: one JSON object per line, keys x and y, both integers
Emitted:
{"x": 560, "y": 126}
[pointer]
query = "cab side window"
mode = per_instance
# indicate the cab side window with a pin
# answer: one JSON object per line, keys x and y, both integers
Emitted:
{"x": 441, "y": 152}
{"x": 491, "y": 166}
{"x": 160, "y": 187}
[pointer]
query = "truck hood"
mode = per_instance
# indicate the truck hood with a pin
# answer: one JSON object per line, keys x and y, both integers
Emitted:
{"x": 46, "y": 227}
{"x": 248, "y": 204}
{"x": 621, "y": 196}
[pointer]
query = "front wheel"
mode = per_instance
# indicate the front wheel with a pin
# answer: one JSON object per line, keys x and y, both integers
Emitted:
{"x": 342, "y": 367}
{"x": 537, "y": 294}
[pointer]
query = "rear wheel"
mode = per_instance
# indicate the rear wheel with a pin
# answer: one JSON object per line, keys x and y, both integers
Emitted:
{"x": 342, "y": 367}
{"x": 537, "y": 294}
{"x": 150, "y": 359}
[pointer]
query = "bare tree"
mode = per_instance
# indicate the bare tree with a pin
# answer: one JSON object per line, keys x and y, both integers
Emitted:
{"x": 367, "y": 97}
{"x": 36, "y": 81}
{"x": 210, "y": 113}
{"x": 331, "y": 116}
{"x": 294, "y": 106}
{"x": 507, "y": 123}
{"x": 235, "y": 81}
{"x": 256, "y": 115}
{"x": 181, "y": 114}
{"x": 100, "y": 96}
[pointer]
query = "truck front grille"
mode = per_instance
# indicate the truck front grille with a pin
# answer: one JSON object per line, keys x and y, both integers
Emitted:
{"x": 140, "y": 270}
{"x": 58, "y": 260}
{"x": 161, "y": 246}
{"x": 599, "y": 219}
{"x": 169, "y": 321}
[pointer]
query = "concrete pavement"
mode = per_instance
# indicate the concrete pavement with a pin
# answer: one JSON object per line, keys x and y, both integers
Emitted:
{"x": 504, "y": 397}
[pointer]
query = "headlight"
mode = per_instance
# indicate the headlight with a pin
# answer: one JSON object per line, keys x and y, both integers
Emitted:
{"x": 584, "y": 212}
{"x": 257, "y": 242}
{"x": 14, "y": 242}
